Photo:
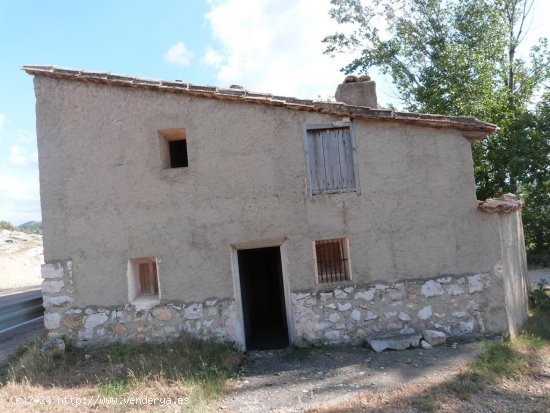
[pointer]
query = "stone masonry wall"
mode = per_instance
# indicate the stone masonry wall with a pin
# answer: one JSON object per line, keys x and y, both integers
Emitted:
{"x": 455, "y": 305}
{"x": 102, "y": 325}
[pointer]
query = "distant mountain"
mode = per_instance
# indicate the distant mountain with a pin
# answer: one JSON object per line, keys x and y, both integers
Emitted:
{"x": 31, "y": 227}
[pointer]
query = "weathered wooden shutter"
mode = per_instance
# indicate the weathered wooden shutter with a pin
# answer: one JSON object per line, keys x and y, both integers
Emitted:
{"x": 144, "y": 278}
{"x": 330, "y": 160}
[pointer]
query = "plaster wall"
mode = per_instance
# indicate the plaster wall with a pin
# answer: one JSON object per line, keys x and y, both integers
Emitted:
{"x": 106, "y": 199}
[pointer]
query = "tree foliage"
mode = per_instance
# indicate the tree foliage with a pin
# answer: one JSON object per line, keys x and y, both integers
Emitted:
{"x": 460, "y": 57}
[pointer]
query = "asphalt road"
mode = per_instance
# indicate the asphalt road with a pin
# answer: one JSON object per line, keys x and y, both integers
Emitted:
{"x": 12, "y": 340}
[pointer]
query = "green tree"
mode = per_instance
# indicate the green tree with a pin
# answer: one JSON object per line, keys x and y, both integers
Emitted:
{"x": 460, "y": 57}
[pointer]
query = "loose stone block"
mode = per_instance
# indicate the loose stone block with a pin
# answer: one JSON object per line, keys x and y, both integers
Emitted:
{"x": 356, "y": 315}
{"x": 394, "y": 342}
{"x": 434, "y": 337}
{"x": 325, "y": 296}
{"x": 425, "y": 345}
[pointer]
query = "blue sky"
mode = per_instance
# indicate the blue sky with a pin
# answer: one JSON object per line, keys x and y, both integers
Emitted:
{"x": 264, "y": 45}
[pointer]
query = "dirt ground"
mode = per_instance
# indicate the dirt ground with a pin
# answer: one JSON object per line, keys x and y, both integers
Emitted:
{"x": 299, "y": 380}
{"x": 20, "y": 259}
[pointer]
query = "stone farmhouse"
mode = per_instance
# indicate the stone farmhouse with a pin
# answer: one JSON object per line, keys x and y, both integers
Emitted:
{"x": 172, "y": 208}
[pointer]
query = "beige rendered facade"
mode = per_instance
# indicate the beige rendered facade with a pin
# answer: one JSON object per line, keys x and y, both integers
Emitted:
{"x": 228, "y": 246}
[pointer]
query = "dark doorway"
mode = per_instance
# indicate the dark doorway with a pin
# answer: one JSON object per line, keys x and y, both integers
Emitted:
{"x": 263, "y": 298}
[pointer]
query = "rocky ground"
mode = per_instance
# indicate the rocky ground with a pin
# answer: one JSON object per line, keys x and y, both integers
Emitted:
{"x": 20, "y": 259}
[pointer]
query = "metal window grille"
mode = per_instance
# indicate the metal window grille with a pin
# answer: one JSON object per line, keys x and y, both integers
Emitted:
{"x": 332, "y": 260}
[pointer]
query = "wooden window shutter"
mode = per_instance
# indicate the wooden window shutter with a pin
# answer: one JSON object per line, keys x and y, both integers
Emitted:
{"x": 331, "y": 161}
{"x": 145, "y": 278}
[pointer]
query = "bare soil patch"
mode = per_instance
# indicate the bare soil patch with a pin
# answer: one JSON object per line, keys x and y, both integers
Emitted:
{"x": 297, "y": 380}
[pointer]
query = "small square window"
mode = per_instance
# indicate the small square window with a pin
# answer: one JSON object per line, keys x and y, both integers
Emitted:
{"x": 143, "y": 282}
{"x": 173, "y": 143}
{"x": 332, "y": 258}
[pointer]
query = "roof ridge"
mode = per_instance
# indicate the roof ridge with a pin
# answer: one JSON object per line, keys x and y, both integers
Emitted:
{"x": 476, "y": 129}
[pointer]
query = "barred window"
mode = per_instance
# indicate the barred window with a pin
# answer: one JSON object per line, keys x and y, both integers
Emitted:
{"x": 332, "y": 257}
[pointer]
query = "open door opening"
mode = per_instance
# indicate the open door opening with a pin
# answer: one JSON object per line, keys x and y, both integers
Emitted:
{"x": 263, "y": 299}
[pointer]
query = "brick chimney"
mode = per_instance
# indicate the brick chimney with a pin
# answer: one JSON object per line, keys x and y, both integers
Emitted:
{"x": 357, "y": 91}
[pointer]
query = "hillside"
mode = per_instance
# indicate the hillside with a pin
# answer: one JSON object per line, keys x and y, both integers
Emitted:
{"x": 21, "y": 256}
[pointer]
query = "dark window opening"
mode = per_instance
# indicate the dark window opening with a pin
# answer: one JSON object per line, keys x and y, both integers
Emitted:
{"x": 332, "y": 260}
{"x": 178, "y": 153}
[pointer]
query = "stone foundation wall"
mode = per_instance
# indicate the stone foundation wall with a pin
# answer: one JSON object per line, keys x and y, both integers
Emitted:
{"x": 455, "y": 305}
{"x": 102, "y": 325}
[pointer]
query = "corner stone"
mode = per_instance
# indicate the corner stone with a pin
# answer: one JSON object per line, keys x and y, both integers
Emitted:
{"x": 58, "y": 301}
{"x": 434, "y": 337}
{"x": 51, "y": 271}
{"x": 53, "y": 286}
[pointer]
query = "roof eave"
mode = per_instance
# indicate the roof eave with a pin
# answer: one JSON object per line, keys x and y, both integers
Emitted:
{"x": 472, "y": 128}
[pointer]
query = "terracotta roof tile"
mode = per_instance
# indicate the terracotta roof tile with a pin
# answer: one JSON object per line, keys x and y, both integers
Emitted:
{"x": 473, "y": 128}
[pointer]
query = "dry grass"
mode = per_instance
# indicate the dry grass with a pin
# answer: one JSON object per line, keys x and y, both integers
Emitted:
{"x": 189, "y": 374}
{"x": 506, "y": 377}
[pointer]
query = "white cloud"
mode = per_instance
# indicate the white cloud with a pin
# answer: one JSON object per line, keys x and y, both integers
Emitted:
{"x": 178, "y": 55}
{"x": 275, "y": 46}
{"x": 2, "y": 119}
{"x": 20, "y": 157}
{"x": 19, "y": 197}
{"x": 212, "y": 58}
